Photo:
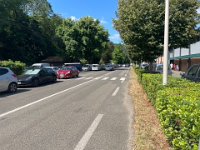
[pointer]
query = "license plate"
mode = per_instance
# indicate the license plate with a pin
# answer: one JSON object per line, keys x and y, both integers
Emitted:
{"x": 19, "y": 83}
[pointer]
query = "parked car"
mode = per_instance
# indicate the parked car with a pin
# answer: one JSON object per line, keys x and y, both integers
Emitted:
{"x": 109, "y": 67}
{"x": 68, "y": 72}
{"x": 36, "y": 76}
{"x": 159, "y": 69}
{"x": 40, "y": 65}
{"x": 87, "y": 67}
{"x": 193, "y": 73}
{"x": 8, "y": 80}
{"x": 53, "y": 68}
{"x": 96, "y": 67}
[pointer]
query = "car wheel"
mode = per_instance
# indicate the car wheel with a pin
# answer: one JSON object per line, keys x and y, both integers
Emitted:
{"x": 12, "y": 87}
{"x": 35, "y": 82}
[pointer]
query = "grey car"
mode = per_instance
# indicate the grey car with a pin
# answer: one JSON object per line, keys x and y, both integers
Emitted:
{"x": 8, "y": 80}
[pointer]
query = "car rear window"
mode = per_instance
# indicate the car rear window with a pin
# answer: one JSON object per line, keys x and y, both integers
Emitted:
{"x": 3, "y": 71}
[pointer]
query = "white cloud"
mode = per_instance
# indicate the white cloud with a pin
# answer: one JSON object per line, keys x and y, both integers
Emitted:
{"x": 198, "y": 10}
{"x": 74, "y": 18}
{"x": 102, "y": 21}
{"x": 115, "y": 38}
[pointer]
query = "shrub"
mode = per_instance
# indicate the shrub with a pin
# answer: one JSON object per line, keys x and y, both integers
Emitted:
{"x": 179, "y": 113}
{"x": 178, "y": 107}
{"x": 16, "y": 66}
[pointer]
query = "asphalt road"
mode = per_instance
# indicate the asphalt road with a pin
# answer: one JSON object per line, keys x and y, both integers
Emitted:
{"x": 89, "y": 112}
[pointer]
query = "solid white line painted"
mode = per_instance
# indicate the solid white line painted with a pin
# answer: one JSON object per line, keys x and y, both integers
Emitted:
{"x": 88, "y": 78}
{"x": 80, "y": 78}
{"x": 125, "y": 75}
{"x": 114, "y": 78}
{"x": 115, "y": 92}
{"x": 105, "y": 78}
{"x": 45, "y": 98}
{"x": 85, "y": 139}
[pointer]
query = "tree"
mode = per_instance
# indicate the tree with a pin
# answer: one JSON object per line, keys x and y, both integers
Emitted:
{"x": 141, "y": 25}
{"x": 119, "y": 55}
{"x": 84, "y": 39}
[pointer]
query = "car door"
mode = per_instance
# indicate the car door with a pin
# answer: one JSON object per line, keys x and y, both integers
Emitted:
{"x": 192, "y": 73}
{"x": 43, "y": 76}
{"x": 4, "y": 79}
{"x": 198, "y": 75}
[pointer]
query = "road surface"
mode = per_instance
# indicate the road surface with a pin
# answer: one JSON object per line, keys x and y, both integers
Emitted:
{"x": 87, "y": 113}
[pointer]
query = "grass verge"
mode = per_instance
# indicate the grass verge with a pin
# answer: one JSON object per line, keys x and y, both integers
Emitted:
{"x": 148, "y": 134}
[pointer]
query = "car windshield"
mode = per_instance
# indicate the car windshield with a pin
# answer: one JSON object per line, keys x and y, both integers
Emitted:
{"x": 160, "y": 67}
{"x": 86, "y": 66}
{"x": 31, "y": 71}
{"x": 66, "y": 68}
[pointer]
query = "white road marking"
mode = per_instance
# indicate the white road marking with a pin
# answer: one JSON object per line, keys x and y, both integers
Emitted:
{"x": 45, "y": 98}
{"x": 88, "y": 78}
{"x": 97, "y": 78}
{"x": 122, "y": 79}
{"x": 115, "y": 92}
{"x": 114, "y": 78}
{"x": 125, "y": 75}
{"x": 105, "y": 78}
{"x": 85, "y": 139}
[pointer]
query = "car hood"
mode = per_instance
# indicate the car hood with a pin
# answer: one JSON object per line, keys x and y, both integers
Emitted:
{"x": 25, "y": 77}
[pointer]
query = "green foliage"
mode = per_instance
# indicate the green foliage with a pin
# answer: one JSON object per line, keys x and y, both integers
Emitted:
{"x": 179, "y": 113}
{"x": 84, "y": 38}
{"x": 16, "y": 66}
{"x": 141, "y": 26}
{"x": 178, "y": 106}
{"x": 119, "y": 55}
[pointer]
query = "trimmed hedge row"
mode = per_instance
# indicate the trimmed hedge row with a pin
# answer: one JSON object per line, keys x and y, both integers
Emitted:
{"x": 178, "y": 107}
{"x": 16, "y": 66}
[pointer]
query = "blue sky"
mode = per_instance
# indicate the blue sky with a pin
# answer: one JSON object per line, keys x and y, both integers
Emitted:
{"x": 104, "y": 10}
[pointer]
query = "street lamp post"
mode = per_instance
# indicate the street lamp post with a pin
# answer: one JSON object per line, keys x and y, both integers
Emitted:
{"x": 166, "y": 43}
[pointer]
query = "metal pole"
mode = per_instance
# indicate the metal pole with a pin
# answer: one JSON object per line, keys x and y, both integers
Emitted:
{"x": 166, "y": 43}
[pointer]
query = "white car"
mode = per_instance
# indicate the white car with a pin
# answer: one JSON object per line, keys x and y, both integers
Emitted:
{"x": 8, "y": 80}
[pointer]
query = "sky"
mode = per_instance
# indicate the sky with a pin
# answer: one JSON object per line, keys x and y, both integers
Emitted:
{"x": 103, "y": 10}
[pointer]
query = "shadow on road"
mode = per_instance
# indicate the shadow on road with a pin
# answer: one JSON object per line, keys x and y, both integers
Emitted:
{"x": 6, "y": 94}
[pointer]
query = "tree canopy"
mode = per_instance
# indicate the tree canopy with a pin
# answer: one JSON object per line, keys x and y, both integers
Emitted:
{"x": 141, "y": 26}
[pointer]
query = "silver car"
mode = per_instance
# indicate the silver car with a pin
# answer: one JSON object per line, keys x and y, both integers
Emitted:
{"x": 8, "y": 80}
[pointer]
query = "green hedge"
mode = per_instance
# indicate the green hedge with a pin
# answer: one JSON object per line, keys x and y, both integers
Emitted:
{"x": 16, "y": 66}
{"x": 178, "y": 107}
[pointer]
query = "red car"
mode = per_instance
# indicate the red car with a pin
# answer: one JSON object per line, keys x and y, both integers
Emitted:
{"x": 67, "y": 72}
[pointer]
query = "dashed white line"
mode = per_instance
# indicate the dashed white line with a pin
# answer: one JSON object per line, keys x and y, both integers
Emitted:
{"x": 122, "y": 79}
{"x": 114, "y": 78}
{"x": 84, "y": 140}
{"x": 115, "y": 92}
{"x": 105, "y": 78}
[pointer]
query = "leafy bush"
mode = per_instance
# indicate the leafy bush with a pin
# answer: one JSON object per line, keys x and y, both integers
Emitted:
{"x": 16, "y": 66}
{"x": 179, "y": 113}
{"x": 178, "y": 107}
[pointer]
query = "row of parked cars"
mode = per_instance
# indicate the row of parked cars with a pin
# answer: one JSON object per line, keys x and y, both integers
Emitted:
{"x": 98, "y": 67}
{"x": 33, "y": 76}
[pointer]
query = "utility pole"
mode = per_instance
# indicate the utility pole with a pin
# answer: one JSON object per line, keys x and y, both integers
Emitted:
{"x": 166, "y": 43}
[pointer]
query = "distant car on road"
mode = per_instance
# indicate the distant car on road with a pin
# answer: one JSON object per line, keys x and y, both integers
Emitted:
{"x": 36, "y": 76}
{"x": 193, "y": 73}
{"x": 87, "y": 67}
{"x": 68, "y": 72}
{"x": 40, "y": 65}
{"x": 109, "y": 67}
{"x": 159, "y": 69}
{"x": 8, "y": 80}
{"x": 96, "y": 67}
